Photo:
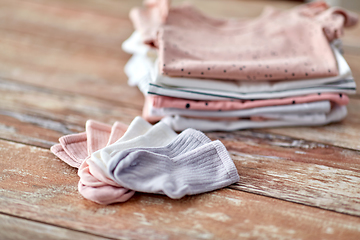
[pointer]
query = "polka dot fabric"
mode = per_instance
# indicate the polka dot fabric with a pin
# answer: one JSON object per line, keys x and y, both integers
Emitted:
{"x": 169, "y": 102}
{"x": 286, "y": 45}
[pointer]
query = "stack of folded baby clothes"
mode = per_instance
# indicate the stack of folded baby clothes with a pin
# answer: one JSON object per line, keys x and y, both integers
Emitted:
{"x": 115, "y": 161}
{"x": 283, "y": 68}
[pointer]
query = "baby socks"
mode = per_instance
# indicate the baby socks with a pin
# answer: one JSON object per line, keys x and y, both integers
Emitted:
{"x": 190, "y": 164}
{"x": 115, "y": 161}
{"x": 136, "y": 128}
{"x": 158, "y": 135}
{"x": 98, "y": 135}
{"x": 59, "y": 151}
{"x": 75, "y": 145}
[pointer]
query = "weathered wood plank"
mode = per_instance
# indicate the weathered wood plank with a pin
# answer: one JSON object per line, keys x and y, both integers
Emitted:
{"x": 114, "y": 9}
{"x": 79, "y": 71}
{"x": 40, "y": 116}
{"x": 227, "y": 8}
{"x": 36, "y": 185}
{"x": 77, "y": 49}
{"x": 61, "y": 48}
{"x": 344, "y": 134}
{"x": 33, "y": 130}
{"x": 14, "y": 228}
{"x": 295, "y": 170}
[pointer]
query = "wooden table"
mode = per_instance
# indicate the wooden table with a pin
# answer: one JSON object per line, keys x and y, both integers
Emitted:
{"x": 61, "y": 64}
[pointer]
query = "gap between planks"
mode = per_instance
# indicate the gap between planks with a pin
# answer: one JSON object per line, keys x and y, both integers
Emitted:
{"x": 15, "y": 227}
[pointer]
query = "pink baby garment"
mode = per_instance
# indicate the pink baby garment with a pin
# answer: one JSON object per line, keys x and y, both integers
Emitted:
{"x": 278, "y": 45}
{"x": 169, "y": 102}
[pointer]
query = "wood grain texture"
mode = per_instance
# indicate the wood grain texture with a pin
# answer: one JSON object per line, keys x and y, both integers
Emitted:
{"x": 226, "y": 8}
{"x": 36, "y": 185}
{"x": 66, "y": 49}
{"x": 39, "y": 116}
{"x": 295, "y": 170}
{"x": 14, "y": 228}
{"x": 269, "y": 164}
{"x": 61, "y": 64}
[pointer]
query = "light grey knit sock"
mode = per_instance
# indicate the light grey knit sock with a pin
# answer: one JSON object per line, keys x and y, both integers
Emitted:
{"x": 191, "y": 164}
{"x": 186, "y": 141}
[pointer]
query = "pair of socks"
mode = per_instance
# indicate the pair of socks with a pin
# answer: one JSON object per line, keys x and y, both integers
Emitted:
{"x": 75, "y": 150}
{"x": 139, "y": 134}
{"x": 154, "y": 159}
{"x": 189, "y": 164}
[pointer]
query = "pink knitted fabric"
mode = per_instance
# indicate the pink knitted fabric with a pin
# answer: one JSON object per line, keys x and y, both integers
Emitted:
{"x": 59, "y": 151}
{"x": 169, "y": 102}
{"x": 117, "y": 131}
{"x": 278, "y": 45}
{"x": 98, "y": 135}
{"x": 75, "y": 150}
{"x": 93, "y": 185}
{"x": 75, "y": 145}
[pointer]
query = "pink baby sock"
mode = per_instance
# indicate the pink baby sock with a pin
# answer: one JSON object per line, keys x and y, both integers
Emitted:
{"x": 117, "y": 131}
{"x": 75, "y": 149}
{"x": 93, "y": 185}
{"x": 97, "y": 135}
{"x": 75, "y": 145}
{"x": 106, "y": 194}
{"x": 58, "y": 150}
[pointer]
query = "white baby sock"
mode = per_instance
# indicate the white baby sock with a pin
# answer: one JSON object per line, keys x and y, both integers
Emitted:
{"x": 137, "y": 127}
{"x": 202, "y": 169}
{"x": 158, "y": 135}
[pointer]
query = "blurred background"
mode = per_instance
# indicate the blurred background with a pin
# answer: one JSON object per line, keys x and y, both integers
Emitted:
{"x": 75, "y": 45}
